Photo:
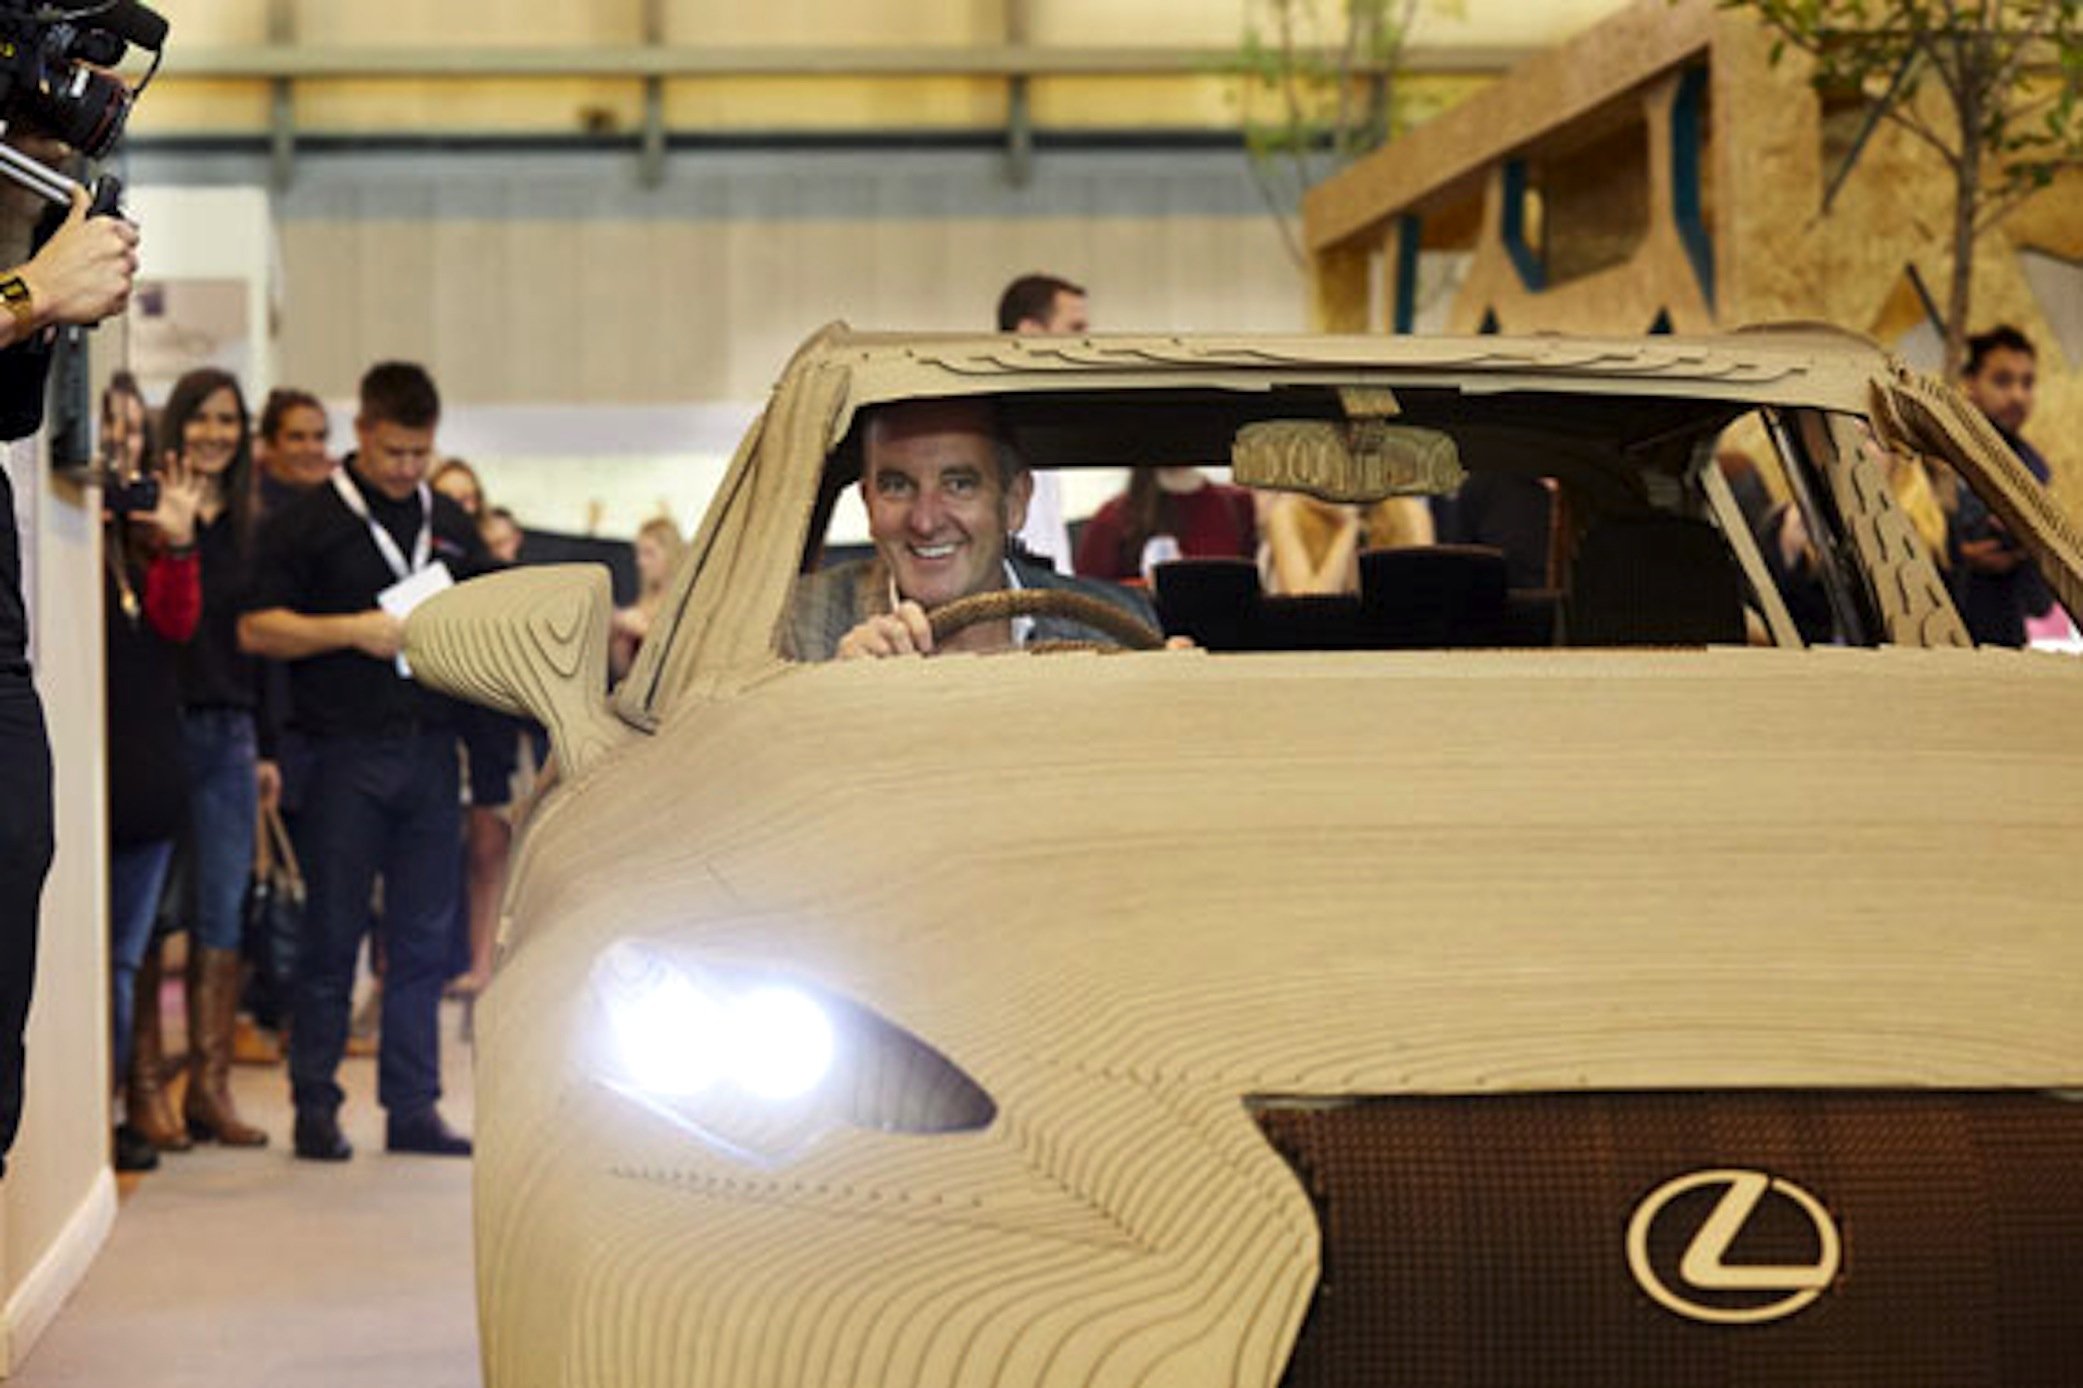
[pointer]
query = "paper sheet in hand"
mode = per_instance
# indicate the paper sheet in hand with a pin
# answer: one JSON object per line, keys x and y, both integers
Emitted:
{"x": 407, "y": 593}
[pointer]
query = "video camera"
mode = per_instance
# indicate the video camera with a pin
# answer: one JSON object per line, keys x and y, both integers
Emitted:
{"x": 53, "y": 68}
{"x": 55, "y": 81}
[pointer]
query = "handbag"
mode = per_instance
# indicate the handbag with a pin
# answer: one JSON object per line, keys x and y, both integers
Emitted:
{"x": 273, "y": 919}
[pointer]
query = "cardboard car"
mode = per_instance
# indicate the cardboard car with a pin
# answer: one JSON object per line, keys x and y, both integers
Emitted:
{"x": 1445, "y": 982}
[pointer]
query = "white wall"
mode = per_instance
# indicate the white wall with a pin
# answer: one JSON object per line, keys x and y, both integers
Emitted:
{"x": 198, "y": 246}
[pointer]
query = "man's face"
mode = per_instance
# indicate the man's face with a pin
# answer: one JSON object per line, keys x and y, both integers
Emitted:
{"x": 937, "y": 511}
{"x": 2003, "y": 388}
{"x": 297, "y": 454}
{"x": 1066, "y": 315}
{"x": 393, "y": 459}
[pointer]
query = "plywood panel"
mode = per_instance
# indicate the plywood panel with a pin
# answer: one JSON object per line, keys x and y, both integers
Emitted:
{"x": 213, "y": 22}
{"x": 567, "y": 106}
{"x": 2049, "y": 222}
{"x": 1492, "y": 23}
{"x": 479, "y": 23}
{"x": 832, "y": 22}
{"x": 1648, "y": 38}
{"x": 779, "y": 103}
{"x": 570, "y": 311}
{"x": 1485, "y": 23}
{"x": 177, "y": 107}
{"x": 1768, "y": 176}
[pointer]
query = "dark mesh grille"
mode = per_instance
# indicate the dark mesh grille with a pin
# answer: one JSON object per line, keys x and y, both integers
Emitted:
{"x": 1482, "y": 1241}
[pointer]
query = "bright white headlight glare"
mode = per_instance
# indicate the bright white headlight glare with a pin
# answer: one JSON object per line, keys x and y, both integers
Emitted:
{"x": 678, "y": 1036}
{"x": 783, "y": 1043}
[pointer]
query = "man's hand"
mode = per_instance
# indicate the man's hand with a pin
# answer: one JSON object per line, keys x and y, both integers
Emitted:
{"x": 378, "y": 633}
{"x": 903, "y": 632}
{"x": 84, "y": 272}
{"x": 180, "y": 497}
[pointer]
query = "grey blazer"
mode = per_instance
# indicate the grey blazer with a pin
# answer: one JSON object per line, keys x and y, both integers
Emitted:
{"x": 834, "y": 601}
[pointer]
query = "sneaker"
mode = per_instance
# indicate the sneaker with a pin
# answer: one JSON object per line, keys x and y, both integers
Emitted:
{"x": 425, "y": 1132}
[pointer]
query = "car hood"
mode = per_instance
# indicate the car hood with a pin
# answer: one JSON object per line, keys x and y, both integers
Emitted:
{"x": 1373, "y": 873}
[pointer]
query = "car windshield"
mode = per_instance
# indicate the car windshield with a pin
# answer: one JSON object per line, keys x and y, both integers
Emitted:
{"x": 1556, "y": 520}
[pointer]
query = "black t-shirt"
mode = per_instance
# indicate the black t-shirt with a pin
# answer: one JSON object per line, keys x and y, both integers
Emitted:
{"x": 14, "y": 618}
{"x": 215, "y": 673}
{"x": 147, "y": 777}
{"x": 319, "y": 559}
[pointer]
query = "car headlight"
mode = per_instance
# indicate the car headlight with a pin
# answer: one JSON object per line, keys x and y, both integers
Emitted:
{"x": 760, "y": 1067}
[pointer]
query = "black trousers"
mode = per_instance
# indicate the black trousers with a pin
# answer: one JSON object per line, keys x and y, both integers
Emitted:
{"x": 25, "y": 859}
{"x": 377, "y": 807}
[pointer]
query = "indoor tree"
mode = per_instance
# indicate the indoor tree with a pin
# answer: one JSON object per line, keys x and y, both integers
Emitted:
{"x": 2006, "y": 120}
{"x": 1318, "y": 91}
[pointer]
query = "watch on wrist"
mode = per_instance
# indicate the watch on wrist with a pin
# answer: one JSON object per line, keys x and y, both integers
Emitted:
{"x": 14, "y": 293}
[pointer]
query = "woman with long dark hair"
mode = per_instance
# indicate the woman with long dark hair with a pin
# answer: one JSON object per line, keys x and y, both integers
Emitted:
{"x": 152, "y": 599}
{"x": 206, "y": 430}
{"x": 1166, "y": 513}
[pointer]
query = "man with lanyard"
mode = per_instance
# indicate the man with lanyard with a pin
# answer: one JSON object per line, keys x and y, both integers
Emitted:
{"x": 383, "y": 796}
{"x": 944, "y": 492}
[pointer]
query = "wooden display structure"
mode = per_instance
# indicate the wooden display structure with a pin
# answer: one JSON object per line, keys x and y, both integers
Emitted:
{"x": 1660, "y": 173}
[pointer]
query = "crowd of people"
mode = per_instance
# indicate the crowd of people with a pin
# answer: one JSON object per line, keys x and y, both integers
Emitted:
{"x": 260, "y": 718}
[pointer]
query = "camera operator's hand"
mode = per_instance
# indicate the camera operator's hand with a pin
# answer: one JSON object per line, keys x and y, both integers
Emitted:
{"x": 181, "y": 490}
{"x": 83, "y": 273}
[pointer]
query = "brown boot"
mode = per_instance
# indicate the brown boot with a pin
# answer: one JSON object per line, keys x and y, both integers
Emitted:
{"x": 213, "y": 1005}
{"x": 145, "y": 1105}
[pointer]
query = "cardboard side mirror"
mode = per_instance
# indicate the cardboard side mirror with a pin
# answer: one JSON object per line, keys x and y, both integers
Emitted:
{"x": 531, "y": 642}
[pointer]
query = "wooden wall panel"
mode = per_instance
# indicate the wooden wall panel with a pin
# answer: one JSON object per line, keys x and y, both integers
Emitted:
{"x": 208, "y": 23}
{"x": 1103, "y": 23}
{"x": 480, "y": 23}
{"x": 175, "y": 106}
{"x": 1767, "y": 175}
{"x": 1191, "y": 98}
{"x": 558, "y": 106}
{"x": 834, "y": 22}
{"x": 608, "y": 304}
{"x": 777, "y": 103}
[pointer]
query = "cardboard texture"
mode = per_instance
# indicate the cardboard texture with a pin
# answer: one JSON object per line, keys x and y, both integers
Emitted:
{"x": 1074, "y": 911}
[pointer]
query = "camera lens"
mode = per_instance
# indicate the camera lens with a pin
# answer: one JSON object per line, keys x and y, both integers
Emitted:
{"x": 87, "y": 112}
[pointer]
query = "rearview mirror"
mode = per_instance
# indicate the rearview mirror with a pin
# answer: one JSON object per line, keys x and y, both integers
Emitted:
{"x": 1362, "y": 461}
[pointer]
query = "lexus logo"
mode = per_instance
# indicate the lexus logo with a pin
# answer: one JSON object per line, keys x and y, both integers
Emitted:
{"x": 1705, "y": 1285}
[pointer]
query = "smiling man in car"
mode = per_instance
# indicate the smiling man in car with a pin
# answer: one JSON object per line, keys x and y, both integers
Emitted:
{"x": 943, "y": 490}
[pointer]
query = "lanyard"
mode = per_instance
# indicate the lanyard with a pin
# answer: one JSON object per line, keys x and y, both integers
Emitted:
{"x": 422, "y": 545}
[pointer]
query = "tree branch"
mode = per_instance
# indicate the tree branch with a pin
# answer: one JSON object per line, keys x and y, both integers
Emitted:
{"x": 2027, "y": 39}
{"x": 1297, "y": 126}
{"x": 1909, "y": 120}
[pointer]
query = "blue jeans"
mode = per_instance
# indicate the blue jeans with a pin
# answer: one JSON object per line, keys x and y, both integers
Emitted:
{"x": 136, "y": 874}
{"x": 224, "y": 801}
{"x": 377, "y": 807}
